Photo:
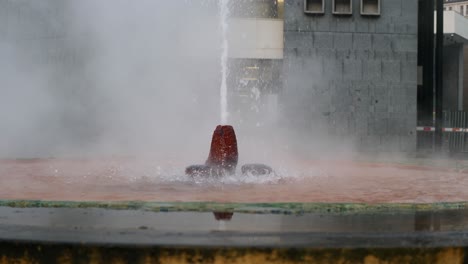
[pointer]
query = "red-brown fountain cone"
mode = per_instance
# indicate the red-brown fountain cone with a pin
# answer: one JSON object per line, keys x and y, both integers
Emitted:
{"x": 223, "y": 151}
{"x": 223, "y": 216}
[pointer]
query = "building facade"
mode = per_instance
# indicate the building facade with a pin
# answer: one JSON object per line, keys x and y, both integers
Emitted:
{"x": 455, "y": 55}
{"x": 363, "y": 70}
{"x": 351, "y": 71}
{"x": 459, "y": 6}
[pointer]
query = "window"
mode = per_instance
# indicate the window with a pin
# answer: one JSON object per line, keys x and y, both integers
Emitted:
{"x": 462, "y": 11}
{"x": 450, "y": 8}
{"x": 314, "y": 6}
{"x": 342, "y": 7}
{"x": 370, "y": 7}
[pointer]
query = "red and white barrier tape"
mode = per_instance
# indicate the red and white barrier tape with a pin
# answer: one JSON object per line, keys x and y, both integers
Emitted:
{"x": 427, "y": 129}
{"x": 445, "y": 129}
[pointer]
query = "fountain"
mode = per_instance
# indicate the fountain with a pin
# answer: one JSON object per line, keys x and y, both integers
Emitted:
{"x": 114, "y": 201}
{"x": 223, "y": 157}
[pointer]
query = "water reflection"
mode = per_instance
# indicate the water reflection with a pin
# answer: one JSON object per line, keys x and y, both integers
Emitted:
{"x": 379, "y": 223}
{"x": 434, "y": 228}
{"x": 388, "y": 222}
{"x": 223, "y": 216}
{"x": 427, "y": 221}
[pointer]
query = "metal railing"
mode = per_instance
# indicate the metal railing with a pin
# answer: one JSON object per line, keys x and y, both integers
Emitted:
{"x": 455, "y": 140}
{"x": 455, "y": 133}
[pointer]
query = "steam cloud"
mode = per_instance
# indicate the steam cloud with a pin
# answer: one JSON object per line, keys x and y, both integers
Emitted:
{"x": 108, "y": 77}
{"x": 119, "y": 77}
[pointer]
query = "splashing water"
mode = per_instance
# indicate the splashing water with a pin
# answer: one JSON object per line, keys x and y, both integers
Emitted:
{"x": 224, "y": 13}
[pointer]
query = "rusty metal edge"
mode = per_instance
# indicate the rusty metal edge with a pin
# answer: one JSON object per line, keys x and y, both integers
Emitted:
{"x": 60, "y": 253}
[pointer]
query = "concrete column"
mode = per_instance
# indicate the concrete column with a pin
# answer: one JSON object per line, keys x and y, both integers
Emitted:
{"x": 461, "y": 77}
{"x": 453, "y": 77}
{"x": 465, "y": 80}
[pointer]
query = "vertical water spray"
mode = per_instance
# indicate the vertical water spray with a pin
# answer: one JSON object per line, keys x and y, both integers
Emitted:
{"x": 224, "y": 13}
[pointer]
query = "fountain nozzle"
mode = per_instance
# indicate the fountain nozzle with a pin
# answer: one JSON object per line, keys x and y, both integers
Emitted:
{"x": 224, "y": 156}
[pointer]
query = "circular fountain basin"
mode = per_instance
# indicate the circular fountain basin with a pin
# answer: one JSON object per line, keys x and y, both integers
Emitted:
{"x": 131, "y": 209}
{"x": 129, "y": 179}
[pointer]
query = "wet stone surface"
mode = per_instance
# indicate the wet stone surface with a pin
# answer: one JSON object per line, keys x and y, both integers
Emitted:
{"x": 417, "y": 229}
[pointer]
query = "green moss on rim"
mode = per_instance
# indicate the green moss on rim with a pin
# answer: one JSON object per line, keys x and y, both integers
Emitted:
{"x": 258, "y": 208}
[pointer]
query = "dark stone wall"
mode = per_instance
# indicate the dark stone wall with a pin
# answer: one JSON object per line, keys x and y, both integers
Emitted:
{"x": 453, "y": 77}
{"x": 352, "y": 77}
